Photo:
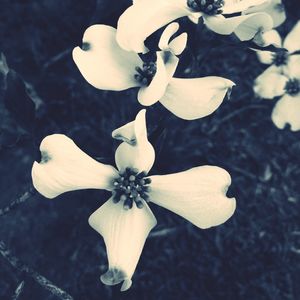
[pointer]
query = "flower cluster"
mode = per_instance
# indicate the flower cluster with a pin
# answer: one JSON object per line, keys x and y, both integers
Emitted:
{"x": 117, "y": 59}
{"x": 282, "y": 77}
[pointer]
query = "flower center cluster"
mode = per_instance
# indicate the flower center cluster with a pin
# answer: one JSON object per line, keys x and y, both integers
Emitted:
{"x": 146, "y": 74}
{"x": 292, "y": 87}
{"x": 280, "y": 58}
{"x": 131, "y": 186}
{"x": 209, "y": 7}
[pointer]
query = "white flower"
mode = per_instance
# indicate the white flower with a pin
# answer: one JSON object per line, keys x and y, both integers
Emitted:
{"x": 284, "y": 59}
{"x": 107, "y": 66}
{"x": 273, "y": 8}
{"x": 282, "y": 78}
{"x": 125, "y": 220}
{"x": 144, "y": 17}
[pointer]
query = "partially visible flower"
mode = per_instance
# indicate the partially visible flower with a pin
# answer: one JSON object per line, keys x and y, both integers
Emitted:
{"x": 288, "y": 56}
{"x": 272, "y": 84}
{"x": 107, "y": 66}
{"x": 125, "y": 220}
{"x": 273, "y": 8}
{"x": 145, "y": 17}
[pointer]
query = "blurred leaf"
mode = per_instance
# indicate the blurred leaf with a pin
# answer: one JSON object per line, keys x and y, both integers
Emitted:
{"x": 18, "y": 102}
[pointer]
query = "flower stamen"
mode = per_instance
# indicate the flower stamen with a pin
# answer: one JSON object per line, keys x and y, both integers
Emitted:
{"x": 145, "y": 75}
{"x": 131, "y": 187}
{"x": 280, "y": 58}
{"x": 209, "y": 7}
{"x": 292, "y": 87}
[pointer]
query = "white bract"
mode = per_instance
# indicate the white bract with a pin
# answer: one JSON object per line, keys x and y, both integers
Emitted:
{"x": 105, "y": 65}
{"x": 144, "y": 17}
{"x": 282, "y": 77}
{"x": 125, "y": 220}
{"x": 274, "y": 8}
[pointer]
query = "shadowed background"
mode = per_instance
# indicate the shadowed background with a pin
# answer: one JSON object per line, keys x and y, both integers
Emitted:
{"x": 255, "y": 255}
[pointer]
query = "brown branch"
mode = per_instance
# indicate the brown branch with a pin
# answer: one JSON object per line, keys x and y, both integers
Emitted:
{"x": 41, "y": 280}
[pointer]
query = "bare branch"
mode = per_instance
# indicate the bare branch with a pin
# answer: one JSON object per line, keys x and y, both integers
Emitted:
{"x": 18, "y": 290}
{"x": 57, "y": 58}
{"x": 18, "y": 201}
{"x": 41, "y": 280}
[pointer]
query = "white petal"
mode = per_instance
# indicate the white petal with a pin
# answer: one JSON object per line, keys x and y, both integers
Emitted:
{"x": 178, "y": 44}
{"x": 169, "y": 31}
{"x": 292, "y": 40}
{"x": 166, "y": 64}
{"x": 198, "y": 194}
{"x": 265, "y": 57}
{"x": 270, "y": 83}
{"x": 105, "y": 65}
{"x": 145, "y": 17}
{"x": 64, "y": 167}
{"x": 139, "y": 154}
{"x": 293, "y": 67}
{"x": 124, "y": 233}
{"x": 274, "y": 8}
{"x": 271, "y": 37}
{"x": 195, "y": 98}
{"x": 245, "y": 27}
{"x": 231, "y": 7}
{"x": 287, "y": 111}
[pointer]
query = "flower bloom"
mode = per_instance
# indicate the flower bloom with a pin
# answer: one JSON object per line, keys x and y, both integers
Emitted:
{"x": 144, "y": 17}
{"x": 105, "y": 65}
{"x": 125, "y": 220}
{"x": 282, "y": 78}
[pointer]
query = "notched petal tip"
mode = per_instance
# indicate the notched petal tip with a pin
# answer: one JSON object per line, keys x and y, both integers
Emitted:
{"x": 115, "y": 276}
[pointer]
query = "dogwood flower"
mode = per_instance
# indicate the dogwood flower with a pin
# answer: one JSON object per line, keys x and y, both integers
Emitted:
{"x": 125, "y": 220}
{"x": 274, "y": 8}
{"x": 105, "y": 65}
{"x": 282, "y": 77}
{"x": 273, "y": 84}
{"x": 288, "y": 57}
{"x": 144, "y": 17}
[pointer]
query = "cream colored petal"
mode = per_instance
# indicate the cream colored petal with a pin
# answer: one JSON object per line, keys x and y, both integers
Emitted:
{"x": 265, "y": 57}
{"x": 178, "y": 44}
{"x": 139, "y": 154}
{"x": 145, "y": 17}
{"x": 198, "y": 195}
{"x": 274, "y": 8}
{"x": 270, "y": 83}
{"x": 245, "y": 27}
{"x": 64, "y": 167}
{"x": 293, "y": 67}
{"x": 124, "y": 233}
{"x": 272, "y": 37}
{"x": 292, "y": 40}
{"x": 195, "y": 98}
{"x": 104, "y": 64}
{"x": 287, "y": 111}
{"x": 232, "y": 7}
{"x": 169, "y": 31}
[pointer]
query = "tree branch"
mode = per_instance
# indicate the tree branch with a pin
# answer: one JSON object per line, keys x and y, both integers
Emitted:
{"x": 18, "y": 201}
{"x": 41, "y": 280}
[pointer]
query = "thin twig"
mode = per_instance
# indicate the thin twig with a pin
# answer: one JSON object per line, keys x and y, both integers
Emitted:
{"x": 17, "y": 202}
{"x": 162, "y": 232}
{"x": 56, "y": 58}
{"x": 41, "y": 280}
{"x": 18, "y": 291}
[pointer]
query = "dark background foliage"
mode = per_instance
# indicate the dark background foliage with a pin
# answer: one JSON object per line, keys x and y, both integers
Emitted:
{"x": 255, "y": 255}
